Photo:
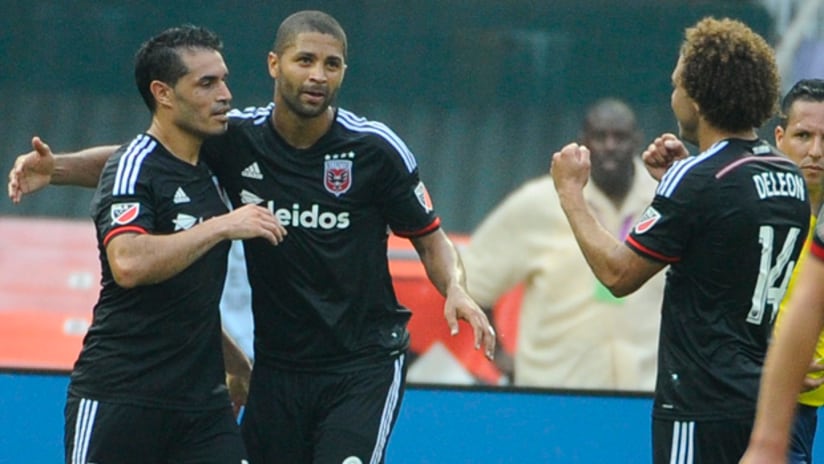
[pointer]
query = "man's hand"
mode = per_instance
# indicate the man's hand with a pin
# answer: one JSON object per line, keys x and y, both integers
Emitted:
{"x": 661, "y": 153}
{"x": 763, "y": 455}
{"x": 813, "y": 382}
{"x": 459, "y": 305}
{"x": 238, "y": 391}
{"x": 32, "y": 171}
{"x": 251, "y": 221}
{"x": 571, "y": 167}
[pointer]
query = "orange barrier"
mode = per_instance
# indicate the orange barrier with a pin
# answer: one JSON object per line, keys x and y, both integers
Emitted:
{"x": 428, "y": 326}
{"x": 49, "y": 281}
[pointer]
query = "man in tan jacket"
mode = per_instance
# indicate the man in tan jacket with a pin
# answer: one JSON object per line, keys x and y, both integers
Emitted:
{"x": 572, "y": 332}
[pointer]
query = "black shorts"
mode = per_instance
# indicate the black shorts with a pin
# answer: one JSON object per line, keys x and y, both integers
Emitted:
{"x": 699, "y": 442}
{"x": 320, "y": 418}
{"x": 101, "y": 432}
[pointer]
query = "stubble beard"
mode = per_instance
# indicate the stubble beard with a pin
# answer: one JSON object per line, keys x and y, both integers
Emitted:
{"x": 307, "y": 111}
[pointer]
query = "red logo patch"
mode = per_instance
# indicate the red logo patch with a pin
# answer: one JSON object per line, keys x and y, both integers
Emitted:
{"x": 423, "y": 197}
{"x": 648, "y": 220}
{"x": 124, "y": 213}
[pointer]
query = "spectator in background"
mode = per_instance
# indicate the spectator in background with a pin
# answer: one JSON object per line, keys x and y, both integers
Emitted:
{"x": 800, "y": 135}
{"x": 572, "y": 333}
{"x": 728, "y": 230}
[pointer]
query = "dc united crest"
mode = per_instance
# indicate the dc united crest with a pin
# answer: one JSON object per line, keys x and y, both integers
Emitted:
{"x": 337, "y": 176}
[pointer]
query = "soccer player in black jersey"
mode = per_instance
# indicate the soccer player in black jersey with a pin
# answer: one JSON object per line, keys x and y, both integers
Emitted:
{"x": 729, "y": 222}
{"x": 330, "y": 336}
{"x": 149, "y": 384}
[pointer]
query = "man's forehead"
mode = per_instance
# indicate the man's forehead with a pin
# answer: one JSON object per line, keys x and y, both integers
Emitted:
{"x": 611, "y": 122}
{"x": 202, "y": 61}
{"x": 312, "y": 42}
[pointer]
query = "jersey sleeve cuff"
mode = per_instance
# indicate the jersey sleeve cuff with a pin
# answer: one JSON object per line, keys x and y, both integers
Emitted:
{"x": 433, "y": 226}
{"x": 121, "y": 230}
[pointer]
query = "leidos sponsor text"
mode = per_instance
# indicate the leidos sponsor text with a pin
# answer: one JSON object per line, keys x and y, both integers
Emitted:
{"x": 311, "y": 218}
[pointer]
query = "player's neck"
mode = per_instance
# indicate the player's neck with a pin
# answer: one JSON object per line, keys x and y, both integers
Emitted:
{"x": 709, "y": 135}
{"x": 816, "y": 195}
{"x": 300, "y": 131}
{"x": 182, "y": 145}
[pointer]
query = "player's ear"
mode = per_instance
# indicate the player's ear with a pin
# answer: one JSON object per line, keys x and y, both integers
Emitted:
{"x": 695, "y": 106}
{"x": 162, "y": 93}
{"x": 779, "y": 134}
{"x": 272, "y": 60}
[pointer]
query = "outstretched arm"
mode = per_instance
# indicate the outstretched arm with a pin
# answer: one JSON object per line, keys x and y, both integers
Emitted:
{"x": 445, "y": 270}
{"x": 786, "y": 364}
{"x": 619, "y": 268}
{"x": 40, "y": 167}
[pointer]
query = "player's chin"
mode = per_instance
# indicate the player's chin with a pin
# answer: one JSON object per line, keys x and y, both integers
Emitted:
{"x": 218, "y": 128}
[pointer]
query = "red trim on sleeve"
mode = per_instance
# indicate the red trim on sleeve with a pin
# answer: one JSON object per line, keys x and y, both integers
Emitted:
{"x": 120, "y": 230}
{"x": 651, "y": 253}
{"x": 421, "y": 232}
{"x": 817, "y": 250}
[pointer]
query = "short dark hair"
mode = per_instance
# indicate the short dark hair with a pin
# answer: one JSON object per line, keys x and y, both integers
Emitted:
{"x": 307, "y": 21}
{"x": 730, "y": 71}
{"x": 805, "y": 90}
{"x": 158, "y": 59}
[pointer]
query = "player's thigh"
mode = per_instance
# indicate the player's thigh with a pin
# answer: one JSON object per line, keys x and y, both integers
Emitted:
{"x": 276, "y": 424}
{"x": 699, "y": 442}
{"x": 358, "y": 421}
{"x": 107, "y": 432}
{"x": 207, "y": 437}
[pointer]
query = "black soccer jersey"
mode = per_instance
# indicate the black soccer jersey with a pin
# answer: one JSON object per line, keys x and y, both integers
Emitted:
{"x": 156, "y": 345}
{"x": 323, "y": 298}
{"x": 731, "y": 221}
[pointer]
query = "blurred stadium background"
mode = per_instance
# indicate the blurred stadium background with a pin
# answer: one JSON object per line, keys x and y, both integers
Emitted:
{"x": 483, "y": 91}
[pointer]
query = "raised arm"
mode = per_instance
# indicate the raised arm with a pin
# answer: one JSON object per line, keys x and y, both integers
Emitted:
{"x": 619, "y": 268}
{"x": 40, "y": 167}
{"x": 445, "y": 271}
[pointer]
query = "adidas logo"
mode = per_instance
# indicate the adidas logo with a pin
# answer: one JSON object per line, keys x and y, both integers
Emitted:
{"x": 181, "y": 197}
{"x": 247, "y": 197}
{"x": 252, "y": 172}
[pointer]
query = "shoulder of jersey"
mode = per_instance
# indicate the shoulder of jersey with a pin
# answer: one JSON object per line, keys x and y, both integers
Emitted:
{"x": 253, "y": 114}
{"x": 355, "y": 124}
